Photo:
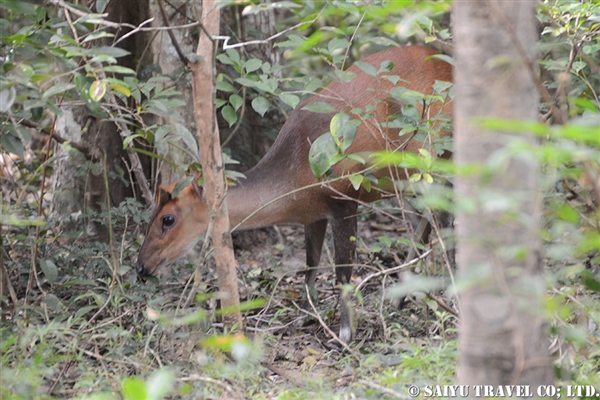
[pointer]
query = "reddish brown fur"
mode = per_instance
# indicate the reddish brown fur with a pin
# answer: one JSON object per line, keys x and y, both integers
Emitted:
{"x": 285, "y": 168}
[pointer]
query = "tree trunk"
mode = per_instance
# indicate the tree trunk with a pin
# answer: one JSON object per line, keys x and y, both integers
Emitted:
{"x": 77, "y": 188}
{"x": 170, "y": 64}
{"x": 203, "y": 81}
{"x": 503, "y": 333}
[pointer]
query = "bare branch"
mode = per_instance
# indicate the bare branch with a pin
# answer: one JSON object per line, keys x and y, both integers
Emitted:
{"x": 226, "y": 39}
{"x": 163, "y": 12}
{"x": 86, "y": 151}
{"x": 393, "y": 269}
{"x": 120, "y": 25}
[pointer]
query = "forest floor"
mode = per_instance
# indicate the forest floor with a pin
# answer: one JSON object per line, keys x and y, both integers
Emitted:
{"x": 271, "y": 262}
{"x": 83, "y": 333}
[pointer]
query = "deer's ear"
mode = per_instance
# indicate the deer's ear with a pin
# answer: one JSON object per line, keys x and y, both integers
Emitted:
{"x": 163, "y": 196}
{"x": 197, "y": 189}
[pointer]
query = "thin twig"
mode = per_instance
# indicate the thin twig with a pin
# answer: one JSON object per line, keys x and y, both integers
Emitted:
{"x": 88, "y": 153}
{"x": 442, "y": 304}
{"x": 315, "y": 314}
{"x": 174, "y": 41}
{"x": 392, "y": 270}
{"x": 60, "y": 375}
{"x": 240, "y": 120}
{"x": 362, "y": 17}
{"x": 383, "y": 389}
{"x": 226, "y": 39}
{"x": 196, "y": 377}
{"x": 123, "y": 361}
{"x": 107, "y": 322}
{"x": 266, "y": 308}
{"x": 137, "y": 29}
{"x": 120, "y": 25}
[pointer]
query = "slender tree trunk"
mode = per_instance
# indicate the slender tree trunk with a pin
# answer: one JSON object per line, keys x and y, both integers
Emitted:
{"x": 203, "y": 72}
{"x": 503, "y": 333}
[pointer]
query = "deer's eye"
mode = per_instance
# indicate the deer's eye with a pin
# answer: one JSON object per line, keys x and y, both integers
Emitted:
{"x": 168, "y": 221}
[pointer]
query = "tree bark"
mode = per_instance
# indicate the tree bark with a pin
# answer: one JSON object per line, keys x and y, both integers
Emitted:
{"x": 503, "y": 332}
{"x": 203, "y": 81}
{"x": 75, "y": 191}
{"x": 170, "y": 63}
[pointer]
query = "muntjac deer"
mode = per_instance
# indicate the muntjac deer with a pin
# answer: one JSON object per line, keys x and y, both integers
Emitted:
{"x": 178, "y": 223}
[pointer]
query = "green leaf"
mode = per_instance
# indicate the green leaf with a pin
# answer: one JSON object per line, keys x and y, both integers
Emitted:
{"x": 261, "y": 105}
{"x": 345, "y": 76}
{"x": 312, "y": 41}
{"x": 357, "y": 158}
{"x": 181, "y": 184}
{"x": 57, "y": 89}
{"x": 229, "y": 114}
{"x": 269, "y": 85}
{"x": 224, "y": 59}
{"x": 159, "y": 384}
{"x": 20, "y": 7}
{"x": 11, "y": 144}
{"x": 133, "y": 389}
{"x": 124, "y": 90}
{"x": 101, "y": 5}
{"x": 98, "y": 90}
{"x": 568, "y": 213}
{"x": 7, "y": 98}
{"x": 386, "y": 241}
{"x": 343, "y": 128}
{"x": 337, "y": 44}
{"x": 367, "y": 68}
{"x": 236, "y": 101}
{"x": 187, "y": 138}
{"x": 385, "y": 66}
{"x": 50, "y": 270}
{"x": 589, "y": 281}
{"x": 245, "y": 306}
{"x": 321, "y": 107}
{"x": 290, "y": 99}
{"x": 220, "y": 103}
{"x": 225, "y": 86}
{"x": 25, "y": 70}
{"x": 190, "y": 319}
{"x": 443, "y": 57}
{"x": 234, "y": 56}
{"x": 117, "y": 69}
{"x": 416, "y": 177}
{"x": 393, "y": 78}
{"x": 97, "y": 35}
{"x": 115, "y": 52}
{"x": 16, "y": 221}
{"x": 356, "y": 180}
{"x": 313, "y": 85}
{"x": 52, "y": 301}
{"x": 246, "y": 82}
{"x": 323, "y": 154}
{"x": 405, "y": 95}
{"x": 252, "y": 65}
{"x": 83, "y": 310}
